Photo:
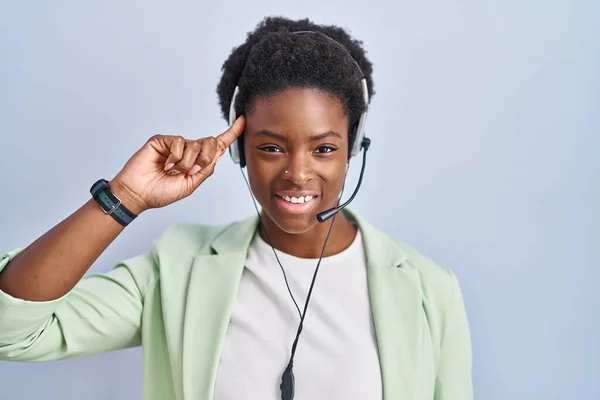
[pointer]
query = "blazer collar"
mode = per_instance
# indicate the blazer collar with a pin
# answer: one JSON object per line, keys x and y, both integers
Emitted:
{"x": 381, "y": 250}
{"x": 235, "y": 237}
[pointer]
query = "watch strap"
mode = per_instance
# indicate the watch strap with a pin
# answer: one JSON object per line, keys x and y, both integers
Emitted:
{"x": 110, "y": 203}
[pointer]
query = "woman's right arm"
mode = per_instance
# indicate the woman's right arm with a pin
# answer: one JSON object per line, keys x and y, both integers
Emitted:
{"x": 166, "y": 169}
{"x": 52, "y": 265}
{"x": 42, "y": 292}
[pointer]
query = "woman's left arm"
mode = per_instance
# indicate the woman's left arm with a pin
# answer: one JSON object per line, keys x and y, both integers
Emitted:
{"x": 453, "y": 379}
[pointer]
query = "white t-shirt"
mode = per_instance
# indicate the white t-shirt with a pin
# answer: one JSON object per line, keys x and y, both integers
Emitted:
{"x": 337, "y": 355}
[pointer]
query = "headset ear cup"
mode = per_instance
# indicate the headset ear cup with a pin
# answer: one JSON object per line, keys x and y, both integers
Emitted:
{"x": 360, "y": 128}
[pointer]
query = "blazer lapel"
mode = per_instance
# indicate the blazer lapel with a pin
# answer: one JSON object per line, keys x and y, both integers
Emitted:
{"x": 211, "y": 294}
{"x": 396, "y": 303}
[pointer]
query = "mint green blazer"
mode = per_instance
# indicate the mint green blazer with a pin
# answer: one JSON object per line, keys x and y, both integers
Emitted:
{"x": 176, "y": 302}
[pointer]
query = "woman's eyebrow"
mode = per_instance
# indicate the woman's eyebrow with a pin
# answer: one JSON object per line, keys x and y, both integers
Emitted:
{"x": 320, "y": 136}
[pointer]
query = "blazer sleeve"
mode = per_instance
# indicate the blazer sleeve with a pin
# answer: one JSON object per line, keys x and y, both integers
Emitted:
{"x": 453, "y": 379}
{"x": 102, "y": 312}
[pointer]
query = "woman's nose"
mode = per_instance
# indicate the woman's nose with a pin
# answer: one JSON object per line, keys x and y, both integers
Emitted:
{"x": 298, "y": 171}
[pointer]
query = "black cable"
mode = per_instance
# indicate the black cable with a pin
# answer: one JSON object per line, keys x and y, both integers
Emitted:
{"x": 312, "y": 284}
{"x": 271, "y": 243}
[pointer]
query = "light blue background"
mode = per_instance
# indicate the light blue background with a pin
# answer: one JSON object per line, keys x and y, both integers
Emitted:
{"x": 485, "y": 129}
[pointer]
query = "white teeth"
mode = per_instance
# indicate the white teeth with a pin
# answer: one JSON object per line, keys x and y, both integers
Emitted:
{"x": 298, "y": 200}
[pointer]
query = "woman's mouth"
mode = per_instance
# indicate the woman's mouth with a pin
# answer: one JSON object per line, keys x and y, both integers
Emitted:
{"x": 296, "y": 204}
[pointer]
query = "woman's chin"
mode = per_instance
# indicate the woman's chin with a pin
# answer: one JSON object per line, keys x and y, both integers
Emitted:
{"x": 295, "y": 224}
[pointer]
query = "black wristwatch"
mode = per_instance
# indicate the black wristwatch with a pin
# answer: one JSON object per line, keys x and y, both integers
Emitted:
{"x": 110, "y": 203}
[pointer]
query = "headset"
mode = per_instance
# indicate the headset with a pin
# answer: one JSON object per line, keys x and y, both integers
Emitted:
{"x": 287, "y": 385}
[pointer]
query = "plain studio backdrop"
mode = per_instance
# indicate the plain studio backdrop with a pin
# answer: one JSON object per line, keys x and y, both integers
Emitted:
{"x": 485, "y": 130}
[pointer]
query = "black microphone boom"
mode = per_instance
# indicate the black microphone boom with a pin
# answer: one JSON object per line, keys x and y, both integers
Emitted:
{"x": 325, "y": 215}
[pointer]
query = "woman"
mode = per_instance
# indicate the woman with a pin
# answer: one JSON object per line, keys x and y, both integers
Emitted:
{"x": 219, "y": 311}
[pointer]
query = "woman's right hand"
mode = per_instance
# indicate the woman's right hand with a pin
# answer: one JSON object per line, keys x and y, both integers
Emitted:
{"x": 169, "y": 168}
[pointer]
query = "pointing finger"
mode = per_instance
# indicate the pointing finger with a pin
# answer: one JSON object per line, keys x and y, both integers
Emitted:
{"x": 233, "y": 133}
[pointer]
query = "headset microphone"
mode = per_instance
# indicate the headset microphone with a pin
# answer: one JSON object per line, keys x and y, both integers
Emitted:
{"x": 325, "y": 215}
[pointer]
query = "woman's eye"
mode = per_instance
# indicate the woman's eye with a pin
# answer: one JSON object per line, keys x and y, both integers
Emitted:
{"x": 270, "y": 149}
{"x": 326, "y": 149}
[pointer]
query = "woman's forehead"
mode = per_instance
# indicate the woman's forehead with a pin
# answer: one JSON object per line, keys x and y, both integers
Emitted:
{"x": 305, "y": 109}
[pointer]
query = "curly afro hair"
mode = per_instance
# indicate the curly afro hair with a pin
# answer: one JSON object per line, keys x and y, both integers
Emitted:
{"x": 272, "y": 60}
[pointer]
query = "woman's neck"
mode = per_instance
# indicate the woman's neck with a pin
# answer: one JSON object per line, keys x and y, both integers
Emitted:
{"x": 310, "y": 244}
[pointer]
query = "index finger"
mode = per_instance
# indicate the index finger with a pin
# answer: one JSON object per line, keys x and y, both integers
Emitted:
{"x": 233, "y": 133}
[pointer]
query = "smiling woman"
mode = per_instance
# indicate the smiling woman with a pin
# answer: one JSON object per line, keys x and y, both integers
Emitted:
{"x": 308, "y": 156}
{"x": 220, "y": 311}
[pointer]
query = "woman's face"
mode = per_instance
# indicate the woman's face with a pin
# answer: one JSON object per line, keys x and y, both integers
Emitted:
{"x": 296, "y": 148}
